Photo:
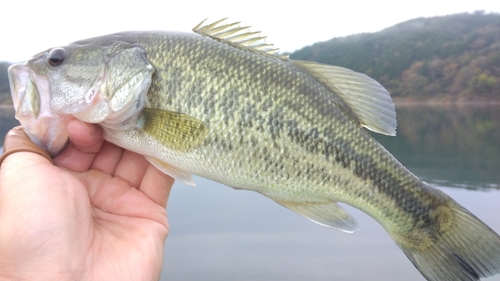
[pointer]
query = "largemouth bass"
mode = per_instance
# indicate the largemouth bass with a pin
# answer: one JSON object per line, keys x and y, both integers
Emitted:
{"x": 222, "y": 104}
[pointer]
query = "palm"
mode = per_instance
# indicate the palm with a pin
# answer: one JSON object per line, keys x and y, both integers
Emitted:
{"x": 100, "y": 216}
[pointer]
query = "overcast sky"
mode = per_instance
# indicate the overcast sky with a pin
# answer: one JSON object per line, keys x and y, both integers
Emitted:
{"x": 28, "y": 27}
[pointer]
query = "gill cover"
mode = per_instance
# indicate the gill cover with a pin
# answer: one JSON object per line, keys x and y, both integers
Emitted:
{"x": 100, "y": 82}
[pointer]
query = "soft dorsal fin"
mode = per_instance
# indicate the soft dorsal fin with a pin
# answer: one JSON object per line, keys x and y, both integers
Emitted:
{"x": 369, "y": 102}
{"x": 238, "y": 37}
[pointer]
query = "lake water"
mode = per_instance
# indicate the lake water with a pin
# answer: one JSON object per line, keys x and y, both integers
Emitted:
{"x": 218, "y": 233}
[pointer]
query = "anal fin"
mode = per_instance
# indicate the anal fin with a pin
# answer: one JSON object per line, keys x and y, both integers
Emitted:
{"x": 328, "y": 214}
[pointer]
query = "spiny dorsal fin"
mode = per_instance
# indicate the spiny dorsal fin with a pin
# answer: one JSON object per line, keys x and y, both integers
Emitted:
{"x": 369, "y": 102}
{"x": 238, "y": 37}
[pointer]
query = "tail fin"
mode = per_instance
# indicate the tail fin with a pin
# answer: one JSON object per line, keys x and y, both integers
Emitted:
{"x": 467, "y": 250}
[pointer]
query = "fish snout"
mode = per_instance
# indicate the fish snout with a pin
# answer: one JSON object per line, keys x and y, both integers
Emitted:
{"x": 31, "y": 97}
{"x": 18, "y": 80}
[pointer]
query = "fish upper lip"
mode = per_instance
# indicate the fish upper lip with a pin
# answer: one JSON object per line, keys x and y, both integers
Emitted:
{"x": 18, "y": 79}
{"x": 45, "y": 128}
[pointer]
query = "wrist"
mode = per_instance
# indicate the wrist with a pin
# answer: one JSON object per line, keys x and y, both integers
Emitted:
{"x": 21, "y": 270}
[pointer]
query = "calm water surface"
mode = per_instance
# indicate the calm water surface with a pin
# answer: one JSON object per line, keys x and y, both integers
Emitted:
{"x": 218, "y": 233}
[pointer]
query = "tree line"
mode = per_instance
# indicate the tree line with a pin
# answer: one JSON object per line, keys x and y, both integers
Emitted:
{"x": 448, "y": 58}
{"x": 4, "y": 84}
{"x": 453, "y": 58}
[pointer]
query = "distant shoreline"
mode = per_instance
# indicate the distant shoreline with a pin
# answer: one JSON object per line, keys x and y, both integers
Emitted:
{"x": 6, "y": 107}
{"x": 436, "y": 102}
{"x": 397, "y": 102}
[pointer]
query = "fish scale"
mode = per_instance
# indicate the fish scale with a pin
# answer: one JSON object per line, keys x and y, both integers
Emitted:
{"x": 223, "y": 105}
{"x": 233, "y": 103}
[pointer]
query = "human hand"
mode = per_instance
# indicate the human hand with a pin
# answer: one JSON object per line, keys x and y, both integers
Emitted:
{"x": 97, "y": 213}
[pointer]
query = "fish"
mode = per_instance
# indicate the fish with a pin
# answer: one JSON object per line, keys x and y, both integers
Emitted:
{"x": 223, "y": 104}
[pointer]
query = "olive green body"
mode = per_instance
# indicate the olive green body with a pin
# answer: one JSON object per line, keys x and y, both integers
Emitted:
{"x": 275, "y": 129}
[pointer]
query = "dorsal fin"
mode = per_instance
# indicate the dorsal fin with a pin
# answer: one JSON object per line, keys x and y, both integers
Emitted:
{"x": 238, "y": 37}
{"x": 369, "y": 102}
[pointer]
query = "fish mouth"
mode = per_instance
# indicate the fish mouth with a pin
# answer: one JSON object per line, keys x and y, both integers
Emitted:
{"x": 31, "y": 96}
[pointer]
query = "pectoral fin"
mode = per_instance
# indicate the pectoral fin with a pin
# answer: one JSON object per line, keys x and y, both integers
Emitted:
{"x": 328, "y": 214}
{"x": 177, "y": 131}
{"x": 176, "y": 173}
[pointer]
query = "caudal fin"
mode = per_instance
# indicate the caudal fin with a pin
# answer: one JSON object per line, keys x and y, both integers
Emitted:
{"x": 467, "y": 250}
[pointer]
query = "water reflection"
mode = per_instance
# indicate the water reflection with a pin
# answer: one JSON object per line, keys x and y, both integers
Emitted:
{"x": 459, "y": 145}
{"x": 453, "y": 145}
{"x": 221, "y": 234}
{"x": 7, "y": 121}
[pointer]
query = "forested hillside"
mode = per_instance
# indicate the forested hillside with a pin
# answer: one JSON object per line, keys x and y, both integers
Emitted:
{"x": 450, "y": 58}
{"x": 4, "y": 84}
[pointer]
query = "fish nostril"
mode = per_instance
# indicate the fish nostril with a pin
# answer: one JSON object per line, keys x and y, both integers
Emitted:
{"x": 90, "y": 95}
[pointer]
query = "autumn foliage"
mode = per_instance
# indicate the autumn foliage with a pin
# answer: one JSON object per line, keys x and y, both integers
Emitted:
{"x": 449, "y": 58}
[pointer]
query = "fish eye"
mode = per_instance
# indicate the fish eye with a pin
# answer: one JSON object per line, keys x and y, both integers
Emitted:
{"x": 56, "y": 57}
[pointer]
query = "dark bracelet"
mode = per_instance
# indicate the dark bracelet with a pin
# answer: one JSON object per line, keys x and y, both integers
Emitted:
{"x": 17, "y": 140}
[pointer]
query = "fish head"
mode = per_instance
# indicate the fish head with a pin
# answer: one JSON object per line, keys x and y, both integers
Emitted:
{"x": 103, "y": 82}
